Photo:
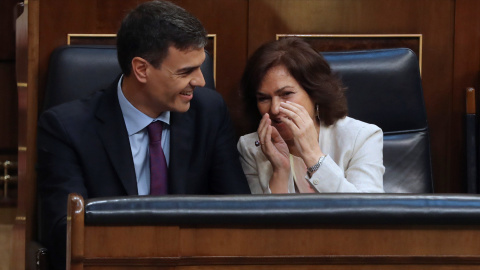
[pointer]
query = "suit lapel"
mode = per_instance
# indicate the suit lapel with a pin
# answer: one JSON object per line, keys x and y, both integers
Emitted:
{"x": 113, "y": 133}
{"x": 181, "y": 146}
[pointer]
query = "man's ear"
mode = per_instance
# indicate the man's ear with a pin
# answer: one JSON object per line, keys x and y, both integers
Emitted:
{"x": 139, "y": 69}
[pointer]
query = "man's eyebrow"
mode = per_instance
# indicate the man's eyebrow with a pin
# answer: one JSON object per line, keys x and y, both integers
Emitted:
{"x": 186, "y": 69}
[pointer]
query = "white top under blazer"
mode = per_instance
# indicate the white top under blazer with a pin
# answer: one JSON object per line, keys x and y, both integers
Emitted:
{"x": 354, "y": 161}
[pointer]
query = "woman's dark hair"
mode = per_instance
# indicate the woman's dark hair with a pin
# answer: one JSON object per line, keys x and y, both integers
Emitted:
{"x": 306, "y": 66}
{"x": 151, "y": 28}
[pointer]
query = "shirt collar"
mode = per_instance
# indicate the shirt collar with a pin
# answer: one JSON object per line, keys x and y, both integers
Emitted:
{"x": 135, "y": 120}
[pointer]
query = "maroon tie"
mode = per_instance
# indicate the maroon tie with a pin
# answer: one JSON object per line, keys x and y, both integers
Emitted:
{"x": 158, "y": 163}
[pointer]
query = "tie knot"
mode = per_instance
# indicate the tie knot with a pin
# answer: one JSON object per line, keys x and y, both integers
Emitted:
{"x": 155, "y": 131}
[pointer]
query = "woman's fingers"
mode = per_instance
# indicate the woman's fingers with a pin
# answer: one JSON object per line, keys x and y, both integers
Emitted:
{"x": 267, "y": 143}
{"x": 276, "y": 137}
{"x": 264, "y": 123}
{"x": 295, "y": 111}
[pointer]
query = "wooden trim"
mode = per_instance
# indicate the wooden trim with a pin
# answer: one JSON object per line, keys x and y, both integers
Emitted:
{"x": 419, "y": 36}
{"x": 70, "y": 36}
{"x": 286, "y": 260}
{"x": 75, "y": 232}
{"x": 214, "y": 37}
{"x": 209, "y": 36}
{"x": 470, "y": 100}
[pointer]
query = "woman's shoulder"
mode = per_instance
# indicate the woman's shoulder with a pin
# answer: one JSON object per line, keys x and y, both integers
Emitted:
{"x": 246, "y": 143}
{"x": 349, "y": 123}
{"x": 249, "y": 137}
{"x": 350, "y": 127}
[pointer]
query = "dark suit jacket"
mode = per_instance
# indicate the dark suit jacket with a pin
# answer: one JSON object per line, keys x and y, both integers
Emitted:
{"x": 83, "y": 147}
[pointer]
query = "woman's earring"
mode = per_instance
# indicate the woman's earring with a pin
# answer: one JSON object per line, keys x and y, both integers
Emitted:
{"x": 317, "y": 110}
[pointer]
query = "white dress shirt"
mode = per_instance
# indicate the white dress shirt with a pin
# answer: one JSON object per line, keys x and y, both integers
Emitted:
{"x": 136, "y": 123}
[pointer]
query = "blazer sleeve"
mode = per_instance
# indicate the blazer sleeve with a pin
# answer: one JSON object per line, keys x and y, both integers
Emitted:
{"x": 59, "y": 174}
{"x": 365, "y": 168}
{"x": 256, "y": 166}
{"x": 226, "y": 171}
{"x": 249, "y": 167}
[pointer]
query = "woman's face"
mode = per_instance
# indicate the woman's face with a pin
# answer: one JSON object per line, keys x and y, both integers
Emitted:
{"x": 279, "y": 86}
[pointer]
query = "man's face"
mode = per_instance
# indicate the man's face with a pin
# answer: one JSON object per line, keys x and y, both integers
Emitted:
{"x": 170, "y": 87}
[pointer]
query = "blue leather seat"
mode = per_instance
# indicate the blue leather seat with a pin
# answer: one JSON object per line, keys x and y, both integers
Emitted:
{"x": 76, "y": 71}
{"x": 384, "y": 88}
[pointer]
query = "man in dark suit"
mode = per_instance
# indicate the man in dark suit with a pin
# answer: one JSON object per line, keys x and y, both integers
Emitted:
{"x": 99, "y": 146}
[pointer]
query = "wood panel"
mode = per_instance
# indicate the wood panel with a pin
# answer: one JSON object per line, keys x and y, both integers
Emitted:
{"x": 7, "y": 30}
{"x": 339, "y": 247}
{"x": 26, "y": 57}
{"x": 8, "y": 95}
{"x": 338, "y": 43}
{"x": 8, "y": 108}
{"x": 466, "y": 74}
{"x": 271, "y": 247}
{"x": 434, "y": 19}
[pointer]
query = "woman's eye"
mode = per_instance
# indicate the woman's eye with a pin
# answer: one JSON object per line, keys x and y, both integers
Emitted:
{"x": 286, "y": 94}
{"x": 260, "y": 99}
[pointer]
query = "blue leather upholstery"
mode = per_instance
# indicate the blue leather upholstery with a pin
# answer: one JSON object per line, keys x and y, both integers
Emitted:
{"x": 384, "y": 88}
{"x": 286, "y": 210}
{"x": 76, "y": 71}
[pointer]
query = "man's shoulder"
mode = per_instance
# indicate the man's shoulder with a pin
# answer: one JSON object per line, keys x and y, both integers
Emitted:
{"x": 207, "y": 102}
{"x": 76, "y": 109}
{"x": 203, "y": 95}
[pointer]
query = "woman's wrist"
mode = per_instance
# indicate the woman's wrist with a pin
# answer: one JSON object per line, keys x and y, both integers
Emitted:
{"x": 279, "y": 181}
{"x": 313, "y": 158}
{"x": 311, "y": 170}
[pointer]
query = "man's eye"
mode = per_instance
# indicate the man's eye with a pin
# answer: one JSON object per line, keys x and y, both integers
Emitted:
{"x": 185, "y": 73}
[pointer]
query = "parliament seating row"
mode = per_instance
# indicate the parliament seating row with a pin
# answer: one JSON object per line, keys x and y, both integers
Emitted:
{"x": 383, "y": 88}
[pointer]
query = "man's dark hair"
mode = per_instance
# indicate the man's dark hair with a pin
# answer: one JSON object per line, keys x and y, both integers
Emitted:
{"x": 306, "y": 66}
{"x": 151, "y": 28}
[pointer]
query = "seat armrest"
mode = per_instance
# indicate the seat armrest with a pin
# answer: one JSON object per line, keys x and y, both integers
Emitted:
{"x": 37, "y": 256}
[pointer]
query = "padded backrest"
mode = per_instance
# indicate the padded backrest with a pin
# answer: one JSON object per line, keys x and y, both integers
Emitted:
{"x": 384, "y": 88}
{"x": 76, "y": 71}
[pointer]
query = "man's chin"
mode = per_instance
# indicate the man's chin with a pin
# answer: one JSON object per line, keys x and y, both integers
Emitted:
{"x": 182, "y": 108}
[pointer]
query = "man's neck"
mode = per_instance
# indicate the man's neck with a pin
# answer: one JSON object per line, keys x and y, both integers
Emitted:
{"x": 132, "y": 90}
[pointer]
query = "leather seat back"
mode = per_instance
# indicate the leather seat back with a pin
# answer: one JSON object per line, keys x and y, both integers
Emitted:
{"x": 76, "y": 71}
{"x": 384, "y": 88}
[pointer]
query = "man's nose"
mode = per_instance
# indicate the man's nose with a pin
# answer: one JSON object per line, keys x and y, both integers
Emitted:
{"x": 198, "y": 79}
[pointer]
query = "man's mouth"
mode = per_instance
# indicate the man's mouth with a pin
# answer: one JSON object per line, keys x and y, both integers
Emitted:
{"x": 186, "y": 93}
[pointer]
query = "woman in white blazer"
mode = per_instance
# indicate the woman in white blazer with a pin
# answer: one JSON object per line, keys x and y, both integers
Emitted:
{"x": 304, "y": 143}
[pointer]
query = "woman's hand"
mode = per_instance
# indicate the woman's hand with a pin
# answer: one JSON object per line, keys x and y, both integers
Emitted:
{"x": 276, "y": 151}
{"x": 305, "y": 134}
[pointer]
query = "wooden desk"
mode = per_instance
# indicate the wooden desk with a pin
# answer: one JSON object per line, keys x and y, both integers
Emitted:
{"x": 216, "y": 239}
